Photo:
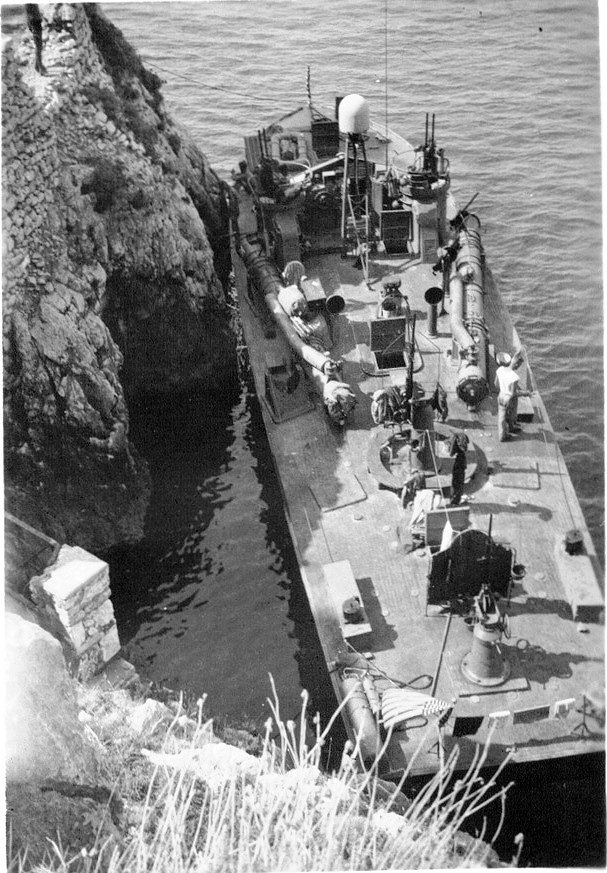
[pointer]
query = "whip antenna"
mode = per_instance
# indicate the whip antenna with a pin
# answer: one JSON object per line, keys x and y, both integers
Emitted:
{"x": 309, "y": 88}
{"x": 386, "y": 71}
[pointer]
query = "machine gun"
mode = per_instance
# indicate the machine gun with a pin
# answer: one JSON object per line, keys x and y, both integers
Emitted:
{"x": 450, "y": 250}
{"x": 459, "y": 221}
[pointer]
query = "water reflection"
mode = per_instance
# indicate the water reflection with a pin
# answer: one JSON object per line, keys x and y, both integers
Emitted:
{"x": 211, "y": 599}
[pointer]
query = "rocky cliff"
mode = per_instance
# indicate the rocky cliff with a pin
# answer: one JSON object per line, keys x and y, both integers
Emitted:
{"x": 115, "y": 261}
{"x": 102, "y": 778}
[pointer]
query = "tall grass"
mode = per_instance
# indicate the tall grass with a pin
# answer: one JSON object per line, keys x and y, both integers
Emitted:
{"x": 281, "y": 812}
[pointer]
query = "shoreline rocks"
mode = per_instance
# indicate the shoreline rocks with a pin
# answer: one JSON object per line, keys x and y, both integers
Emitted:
{"x": 114, "y": 233}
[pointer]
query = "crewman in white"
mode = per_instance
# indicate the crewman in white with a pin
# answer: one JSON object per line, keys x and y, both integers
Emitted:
{"x": 508, "y": 385}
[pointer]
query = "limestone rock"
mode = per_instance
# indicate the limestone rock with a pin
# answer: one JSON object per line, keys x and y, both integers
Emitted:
{"x": 80, "y": 815}
{"x": 44, "y": 738}
{"x": 149, "y": 715}
{"x": 115, "y": 245}
{"x": 214, "y": 763}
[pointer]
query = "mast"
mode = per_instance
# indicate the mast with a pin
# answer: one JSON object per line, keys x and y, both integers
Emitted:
{"x": 409, "y": 382}
{"x": 309, "y": 88}
{"x": 386, "y": 72}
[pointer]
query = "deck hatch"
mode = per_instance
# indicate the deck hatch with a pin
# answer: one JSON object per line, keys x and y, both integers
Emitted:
{"x": 286, "y": 390}
{"x": 389, "y": 340}
{"x": 325, "y": 138}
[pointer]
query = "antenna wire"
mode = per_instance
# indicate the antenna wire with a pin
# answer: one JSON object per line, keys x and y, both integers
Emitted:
{"x": 386, "y": 72}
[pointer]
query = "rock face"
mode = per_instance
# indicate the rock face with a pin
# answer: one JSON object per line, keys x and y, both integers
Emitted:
{"x": 114, "y": 245}
{"x": 82, "y": 815}
{"x": 44, "y": 739}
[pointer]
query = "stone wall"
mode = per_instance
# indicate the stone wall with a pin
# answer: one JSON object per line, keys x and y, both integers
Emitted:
{"x": 75, "y": 594}
{"x": 109, "y": 275}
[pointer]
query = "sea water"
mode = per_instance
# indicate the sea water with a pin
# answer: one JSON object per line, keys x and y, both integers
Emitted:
{"x": 515, "y": 92}
{"x": 211, "y": 600}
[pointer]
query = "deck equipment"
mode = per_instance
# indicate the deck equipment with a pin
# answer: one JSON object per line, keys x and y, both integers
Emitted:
{"x": 387, "y": 326}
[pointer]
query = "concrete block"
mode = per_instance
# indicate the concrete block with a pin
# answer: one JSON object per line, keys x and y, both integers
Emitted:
{"x": 80, "y": 610}
{"x": 110, "y": 644}
{"x": 78, "y": 636}
{"x": 103, "y": 616}
{"x": 75, "y": 572}
{"x": 85, "y": 635}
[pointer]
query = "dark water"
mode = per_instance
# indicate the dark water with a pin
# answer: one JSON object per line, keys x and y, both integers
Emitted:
{"x": 211, "y": 600}
{"x": 515, "y": 91}
{"x": 214, "y": 599}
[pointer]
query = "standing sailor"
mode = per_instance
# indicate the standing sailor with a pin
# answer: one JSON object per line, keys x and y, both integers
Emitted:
{"x": 508, "y": 385}
{"x": 458, "y": 446}
{"x": 34, "y": 22}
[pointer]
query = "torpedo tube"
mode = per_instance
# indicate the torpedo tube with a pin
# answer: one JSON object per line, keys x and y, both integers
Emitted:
{"x": 338, "y": 397}
{"x": 265, "y": 276}
{"x": 466, "y": 288}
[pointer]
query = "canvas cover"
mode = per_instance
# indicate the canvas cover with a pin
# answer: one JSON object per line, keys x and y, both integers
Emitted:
{"x": 471, "y": 559}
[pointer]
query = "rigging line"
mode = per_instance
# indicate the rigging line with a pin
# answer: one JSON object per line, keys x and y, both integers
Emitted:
{"x": 379, "y": 374}
{"x": 174, "y": 74}
{"x": 386, "y": 72}
{"x": 399, "y": 336}
{"x": 362, "y": 249}
{"x": 424, "y": 52}
{"x": 372, "y": 666}
{"x": 416, "y": 347}
{"x": 440, "y": 654}
{"x": 420, "y": 355}
{"x": 434, "y": 464}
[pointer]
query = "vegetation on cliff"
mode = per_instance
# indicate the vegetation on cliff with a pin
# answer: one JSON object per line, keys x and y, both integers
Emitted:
{"x": 114, "y": 256}
{"x": 179, "y": 798}
{"x": 114, "y": 250}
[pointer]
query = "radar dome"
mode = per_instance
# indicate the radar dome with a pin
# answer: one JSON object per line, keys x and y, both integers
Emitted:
{"x": 353, "y": 114}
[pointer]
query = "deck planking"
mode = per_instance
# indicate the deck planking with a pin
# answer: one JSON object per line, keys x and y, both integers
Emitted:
{"x": 335, "y": 512}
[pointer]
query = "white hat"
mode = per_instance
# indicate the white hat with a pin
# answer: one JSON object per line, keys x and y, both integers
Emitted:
{"x": 503, "y": 359}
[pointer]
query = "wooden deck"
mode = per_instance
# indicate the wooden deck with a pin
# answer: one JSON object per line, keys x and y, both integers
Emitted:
{"x": 337, "y": 512}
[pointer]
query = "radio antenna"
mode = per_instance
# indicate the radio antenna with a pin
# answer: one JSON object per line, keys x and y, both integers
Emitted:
{"x": 386, "y": 71}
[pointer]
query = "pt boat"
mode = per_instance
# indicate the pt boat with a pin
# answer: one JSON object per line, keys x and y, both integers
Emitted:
{"x": 453, "y": 582}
